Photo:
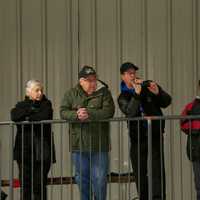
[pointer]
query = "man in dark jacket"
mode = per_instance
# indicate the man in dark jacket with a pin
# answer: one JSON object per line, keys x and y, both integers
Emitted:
{"x": 33, "y": 149}
{"x": 89, "y": 101}
{"x": 140, "y": 98}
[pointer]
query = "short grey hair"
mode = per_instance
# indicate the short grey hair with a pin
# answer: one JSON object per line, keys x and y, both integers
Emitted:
{"x": 31, "y": 83}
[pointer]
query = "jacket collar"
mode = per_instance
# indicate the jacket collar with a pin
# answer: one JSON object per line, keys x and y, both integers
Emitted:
{"x": 100, "y": 85}
{"x": 26, "y": 98}
{"x": 125, "y": 89}
{"x": 198, "y": 97}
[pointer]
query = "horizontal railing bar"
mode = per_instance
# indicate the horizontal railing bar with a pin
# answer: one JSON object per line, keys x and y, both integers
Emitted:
{"x": 116, "y": 119}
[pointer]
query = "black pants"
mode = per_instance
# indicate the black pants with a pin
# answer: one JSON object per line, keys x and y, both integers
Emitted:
{"x": 33, "y": 187}
{"x": 139, "y": 156}
{"x": 196, "y": 170}
{"x": 3, "y": 195}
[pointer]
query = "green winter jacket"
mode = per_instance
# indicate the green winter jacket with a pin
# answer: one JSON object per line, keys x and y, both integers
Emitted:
{"x": 88, "y": 136}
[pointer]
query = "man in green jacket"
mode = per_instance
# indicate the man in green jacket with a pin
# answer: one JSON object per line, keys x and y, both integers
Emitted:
{"x": 85, "y": 104}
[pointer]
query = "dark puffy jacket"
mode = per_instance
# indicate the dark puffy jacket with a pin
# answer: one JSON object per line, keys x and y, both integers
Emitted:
{"x": 192, "y": 129}
{"x": 148, "y": 104}
{"x": 28, "y": 110}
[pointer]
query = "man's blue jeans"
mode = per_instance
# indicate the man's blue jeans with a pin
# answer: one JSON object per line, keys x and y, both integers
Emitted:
{"x": 91, "y": 170}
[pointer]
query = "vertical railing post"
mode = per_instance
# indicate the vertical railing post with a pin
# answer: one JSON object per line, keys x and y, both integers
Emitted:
{"x": 71, "y": 161}
{"x": 0, "y": 169}
{"x": 61, "y": 161}
{"x": 32, "y": 165}
{"x": 42, "y": 161}
{"x": 11, "y": 142}
{"x": 150, "y": 175}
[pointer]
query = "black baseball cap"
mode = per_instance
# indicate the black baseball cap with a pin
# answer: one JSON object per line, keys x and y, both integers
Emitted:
{"x": 86, "y": 71}
{"x": 126, "y": 66}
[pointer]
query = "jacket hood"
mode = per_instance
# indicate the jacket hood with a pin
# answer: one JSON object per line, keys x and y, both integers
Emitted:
{"x": 100, "y": 85}
{"x": 198, "y": 97}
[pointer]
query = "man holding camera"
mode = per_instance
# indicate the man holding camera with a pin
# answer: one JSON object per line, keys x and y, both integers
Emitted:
{"x": 140, "y": 98}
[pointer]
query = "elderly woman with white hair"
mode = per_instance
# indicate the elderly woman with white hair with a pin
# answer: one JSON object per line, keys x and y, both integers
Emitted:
{"x": 34, "y": 148}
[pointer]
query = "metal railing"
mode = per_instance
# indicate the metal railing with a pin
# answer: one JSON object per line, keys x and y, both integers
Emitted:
{"x": 61, "y": 178}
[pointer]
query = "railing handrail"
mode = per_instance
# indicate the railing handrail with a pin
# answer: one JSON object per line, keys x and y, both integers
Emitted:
{"x": 114, "y": 119}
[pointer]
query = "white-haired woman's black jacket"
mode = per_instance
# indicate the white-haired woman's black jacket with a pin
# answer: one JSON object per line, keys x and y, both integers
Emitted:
{"x": 32, "y": 135}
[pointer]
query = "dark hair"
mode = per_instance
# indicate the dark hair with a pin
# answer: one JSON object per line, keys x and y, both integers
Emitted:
{"x": 126, "y": 66}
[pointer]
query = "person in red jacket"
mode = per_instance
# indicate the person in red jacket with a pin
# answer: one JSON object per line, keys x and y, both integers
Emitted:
{"x": 192, "y": 128}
